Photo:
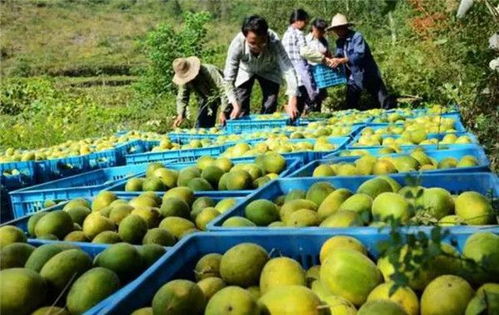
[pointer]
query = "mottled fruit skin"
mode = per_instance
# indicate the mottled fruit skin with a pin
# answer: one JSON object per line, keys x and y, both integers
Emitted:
{"x": 179, "y": 297}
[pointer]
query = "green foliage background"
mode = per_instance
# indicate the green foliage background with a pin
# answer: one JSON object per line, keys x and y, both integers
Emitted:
{"x": 73, "y": 68}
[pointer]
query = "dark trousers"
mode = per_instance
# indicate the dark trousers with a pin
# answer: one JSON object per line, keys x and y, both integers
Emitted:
{"x": 375, "y": 87}
{"x": 207, "y": 113}
{"x": 270, "y": 92}
{"x": 316, "y": 105}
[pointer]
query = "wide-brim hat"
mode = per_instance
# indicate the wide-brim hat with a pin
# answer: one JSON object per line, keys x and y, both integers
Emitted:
{"x": 338, "y": 21}
{"x": 186, "y": 69}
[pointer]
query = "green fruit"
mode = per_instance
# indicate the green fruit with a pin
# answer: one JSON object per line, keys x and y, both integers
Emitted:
{"x": 152, "y": 167}
{"x": 204, "y": 162}
{"x": 95, "y": 224}
{"x": 281, "y": 271}
{"x": 65, "y": 267}
{"x": 119, "y": 212}
{"x": 57, "y": 223}
{"x": 274, "y": 163}
{"x": 150, "y": 253}
{"x": 76, "y": 236}
{"x": 238, "y": 180}
{"x": 184, "y": 193}
{"x": 446, "y": 294}
{"x": 23, "y": 290}
{"x": 295, "y": 205}
{"x": 91, "y": 288}
{"x": 135, "y": 184}
{"x": 381, "y": 307}
{"x": 290, "y": 299}
{"x": 261, "y": 212}
{"x": 102, "y": 200}
{"x": 15, "y": 255}
{"x": 212, "y": 174}
{"x": 208, "y": 266}
{"x": 204, "y": 217}
{"x": 339, "y": 305}
{"x": 333, "y": 202}
{"x": 168, "y": 177}
{"x": 360, "y": 203}
{"x": 33, "y": 220}
{"x": 438, "y": 202}
{"x": 374, "y": 187}
{"x": 143, "y": 201}
{"x": 186, "y": 175}
{"x": 143, "y": 311}
{"x": 302, "y": 218}
{"x": 51, "y": 310}
{"x": 77, "y": 202}
{"x": 78, "y": 213}
{"x": 232, "y": 300}
{"x": 448, "y": 162}
{"x": 405, "y": 163}
{"x": 10, "y": 234}
{"x": 295, "y": 194}
{"x": 41, "y": 255}
{"x": 176, "y": 226}
{"x": 323, "y": 170}
{"x": 342, "y": 218}
{"x": 474, "y": 208}
{"x": 238, "y": 222}
{"x": 395, "y": 185}
{"x": 403, "y": 296}
{"x": 210, "y": 286}
{"x": 483, "y": 248}
{"x": 350, "y": 274}
{"x": 122, "y": 258}
{"x": 132, "y": 229}
{"x": 390, "y": 204}
{"x": 174, "y": 207}
{"x": 150, "y": 215}
{"x": 242, "y": 264}
{"x": 107, "y": 237}
{"x": 179, "y": 297}
{"x": 340, "y": 241}
{"x": 158, "y": 236}
{"x": 153, "y": 184}
{"x": 319, "y": 191}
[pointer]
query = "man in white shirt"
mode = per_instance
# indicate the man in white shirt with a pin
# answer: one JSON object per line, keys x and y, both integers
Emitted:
{"x": 257, "y": 54}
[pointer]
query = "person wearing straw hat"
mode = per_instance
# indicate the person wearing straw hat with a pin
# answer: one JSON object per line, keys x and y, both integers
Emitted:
{"x": 362, "y": 71}
{"x": 207, "y": 82}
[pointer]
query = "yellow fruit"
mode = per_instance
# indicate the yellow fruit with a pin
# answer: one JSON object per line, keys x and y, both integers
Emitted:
{"x": 340, "y": 241}
{"x": 474, "y": 208}
{"x": 404, "y": 296}
{"x": 446, "y": 294}
{"x": 292, "y": 299}
{"x": 281, "y": 271}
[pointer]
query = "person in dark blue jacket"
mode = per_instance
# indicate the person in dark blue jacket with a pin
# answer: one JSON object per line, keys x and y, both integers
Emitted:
{"x": 362, "y": 71}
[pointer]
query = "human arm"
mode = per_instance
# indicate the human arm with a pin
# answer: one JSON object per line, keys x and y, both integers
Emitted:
{"x": 183, "y": 96}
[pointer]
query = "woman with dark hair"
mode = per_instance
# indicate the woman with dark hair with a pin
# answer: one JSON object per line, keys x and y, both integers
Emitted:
{"x": 294, "y": 42}
{"x": 317, "y": 42}
{"x": 256, "y": 53}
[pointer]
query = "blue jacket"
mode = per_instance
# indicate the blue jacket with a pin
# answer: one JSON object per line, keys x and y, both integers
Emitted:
{"x": 361, "y": 67}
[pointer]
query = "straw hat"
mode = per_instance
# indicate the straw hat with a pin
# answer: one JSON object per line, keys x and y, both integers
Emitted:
{"x": 186, "y": 69}
{"x": 337, "y": 21}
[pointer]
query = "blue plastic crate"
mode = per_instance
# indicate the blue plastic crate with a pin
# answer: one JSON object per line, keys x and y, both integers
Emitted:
{"x": 248, "y": 124}
{"x": 130, "y": 147}
{"x": 477, "y": 152}
{"x": 484, "y": 183}
{"x": 292, "y": 165}
{"x": 48, "y": 170}
{"x": 30, "y": 200}
{"x": 183, "y": 155}
{"x": 26, "y": 174}
{"x": 102, "y": 159}
{"x": 180, "y": 261}
{"x": 186, "y": 137}
{"x": 325, "y": 76}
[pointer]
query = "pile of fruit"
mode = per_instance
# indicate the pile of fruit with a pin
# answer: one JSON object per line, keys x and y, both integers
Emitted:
{"x": 247, "y": 280}
{"x": 376, "y": 202}
{"x": 62, "y": 278}
{"x": 417, "y": 160}
{"x": 165, "y": 144}
{"x": 211, "y": 173}
{"x": 145, "y": 219}
{"x": 277, "y": 145}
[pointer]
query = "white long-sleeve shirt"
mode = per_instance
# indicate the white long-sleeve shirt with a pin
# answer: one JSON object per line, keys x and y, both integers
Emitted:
{"x": 272, "y": 64}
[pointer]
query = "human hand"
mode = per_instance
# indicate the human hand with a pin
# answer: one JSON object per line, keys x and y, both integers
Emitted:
{"x": 178, "y": 121}
{"x": 236, "y": 111}
{"x": 222, "y": 118}
{"x": 291, "y": 108}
